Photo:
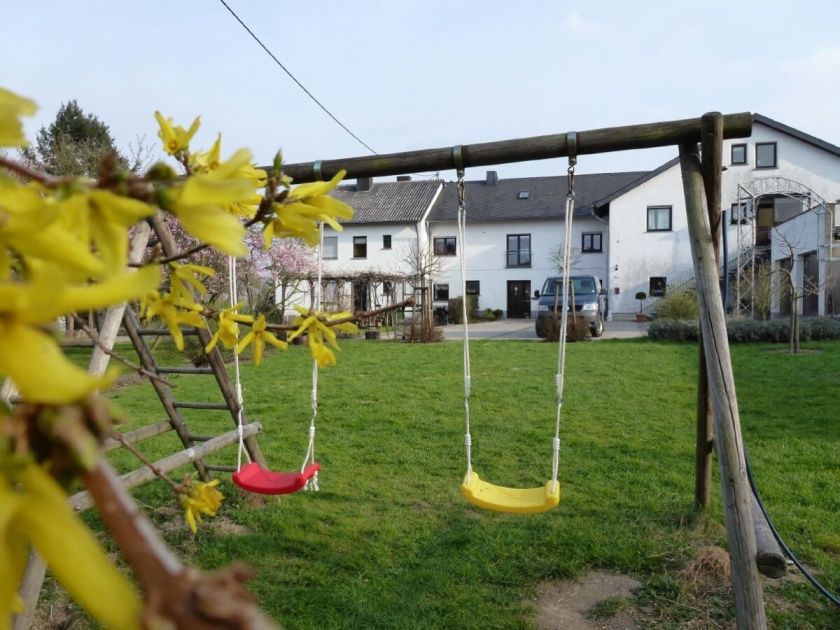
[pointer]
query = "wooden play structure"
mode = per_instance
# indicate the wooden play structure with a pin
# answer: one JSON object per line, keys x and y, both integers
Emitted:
{"x": 718, "y": 424}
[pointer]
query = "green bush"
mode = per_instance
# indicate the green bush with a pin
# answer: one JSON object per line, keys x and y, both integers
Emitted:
{"x": 455, "y": 309}
{"x": 679, "y": 304}
{"x": 747, "y": 330}
{"x": 674, "y": 329}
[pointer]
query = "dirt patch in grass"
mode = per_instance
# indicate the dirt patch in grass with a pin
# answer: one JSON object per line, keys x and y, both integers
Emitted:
{"x": 563, "y": 604}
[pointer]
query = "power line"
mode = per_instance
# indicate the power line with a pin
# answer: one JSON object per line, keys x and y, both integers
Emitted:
{"x": 293, "y": 78}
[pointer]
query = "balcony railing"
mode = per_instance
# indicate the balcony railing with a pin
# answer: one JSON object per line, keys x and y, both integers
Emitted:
{"x": 518, "y": 258}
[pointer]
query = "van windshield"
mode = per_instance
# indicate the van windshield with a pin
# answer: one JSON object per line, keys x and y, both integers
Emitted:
{"x": 583, "y": 285}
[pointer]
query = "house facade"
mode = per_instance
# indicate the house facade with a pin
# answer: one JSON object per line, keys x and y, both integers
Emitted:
{"x": 630, "y": 230}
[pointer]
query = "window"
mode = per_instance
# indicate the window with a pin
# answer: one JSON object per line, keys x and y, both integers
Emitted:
{"x": 360, "y": 247}
{"x": 441, "y": 292}
{"x": 473, "y": 287}
{"x": 657, "y": 286}
{"x": 739, "y": 154}
{"x": 386, "y": 241}
{"x": 659, "y": 219}
{"x": 591, "y": 242}
{"x": 330, "y": 249}
{"x": 445, "y": 246}
{"x": 765, "y": 155}
{"x": 524, "y": 194}
{"x": 737, "y": 213}
{"x": 518, "y": 252}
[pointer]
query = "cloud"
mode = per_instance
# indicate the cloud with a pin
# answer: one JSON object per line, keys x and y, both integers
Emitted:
{"x": 578, "y": 25}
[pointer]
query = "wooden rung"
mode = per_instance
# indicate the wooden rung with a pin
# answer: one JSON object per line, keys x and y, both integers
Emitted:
{"x": 220, "y": 468}
{"x": 138, "y": 435}
{"x": 163, "y": 332}
{"x": 82, "y": 501}
{"x": 186, "y": 369}
{"x": 191, "y": 404}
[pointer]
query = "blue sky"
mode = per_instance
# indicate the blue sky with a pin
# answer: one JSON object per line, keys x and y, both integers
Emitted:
{"x": 410, "y": 75}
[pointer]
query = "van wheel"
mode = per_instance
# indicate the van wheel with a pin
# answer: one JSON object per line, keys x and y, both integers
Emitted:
{"x": 599, "y": 328}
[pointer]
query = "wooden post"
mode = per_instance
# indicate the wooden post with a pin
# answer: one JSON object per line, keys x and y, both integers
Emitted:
{"x": 114, "y": 315}
{"x": 711, "y": 138}
{"x": 749, "y": 603}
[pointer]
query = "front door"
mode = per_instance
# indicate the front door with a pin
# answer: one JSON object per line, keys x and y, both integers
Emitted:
{"x": 519, "y": 299}
{"x": 360, "y": 296}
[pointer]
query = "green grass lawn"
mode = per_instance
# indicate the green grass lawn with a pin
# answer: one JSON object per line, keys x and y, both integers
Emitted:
{"x": 389, "y": 543}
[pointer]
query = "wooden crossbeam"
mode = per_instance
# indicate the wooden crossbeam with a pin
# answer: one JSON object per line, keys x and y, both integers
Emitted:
{"x": 138, "y": 435}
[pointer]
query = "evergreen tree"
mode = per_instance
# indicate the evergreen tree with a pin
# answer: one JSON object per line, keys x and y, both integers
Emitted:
{"x": 72, "y": 144}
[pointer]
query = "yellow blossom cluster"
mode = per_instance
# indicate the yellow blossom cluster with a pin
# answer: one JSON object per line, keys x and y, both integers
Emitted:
{"x": 201, "y": 498}
{"x": 64, "y": 249}
{"x": 320, "y": 327}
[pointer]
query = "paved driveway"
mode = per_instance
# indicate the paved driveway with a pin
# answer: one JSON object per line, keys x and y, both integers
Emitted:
{"x": 524, "y": 329}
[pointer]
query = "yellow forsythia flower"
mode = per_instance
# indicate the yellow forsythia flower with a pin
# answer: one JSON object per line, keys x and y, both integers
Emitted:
{"x": 259, "y": 336}
{"x": 183, "y": 277}
{"x": 174, "y": 310}
{"x": 175, "y": 138}
{"x": 315, "y": 324}
{"x": 33, "y": 509}
{"x": 211, "y": 160}
{"x": 228, "y": 332}
{"x": 202, "y": 498}
{"x": 12, "y": 107}
{"x": 304, "y": 208}
{"x": 31, "y": 357}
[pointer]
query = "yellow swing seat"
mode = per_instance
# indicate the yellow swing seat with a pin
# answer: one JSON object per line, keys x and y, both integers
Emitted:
{"x": 511, "y": 500}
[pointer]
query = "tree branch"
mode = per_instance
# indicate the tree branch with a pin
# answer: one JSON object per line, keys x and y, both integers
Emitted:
{"x": 30, "y": 173}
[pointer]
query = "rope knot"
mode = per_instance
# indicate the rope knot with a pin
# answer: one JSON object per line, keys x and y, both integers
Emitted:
{"x": 555, "y": 444}
{"x": 240, "y": 430}
{"x": 467, "y": 385}
{"x": 467, "y": 439}
{"x": 311, "y": 432}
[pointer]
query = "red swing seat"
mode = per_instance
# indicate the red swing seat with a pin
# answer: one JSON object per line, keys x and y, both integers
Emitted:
{"x": 253, "y": 478}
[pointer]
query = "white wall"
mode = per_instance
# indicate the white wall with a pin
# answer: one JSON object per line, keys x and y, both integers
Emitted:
{"x": 800, "y": 161}
{"x": 636, "y": 255}
{"x": 378, "y": 258}
{"x": 486, "y": 260}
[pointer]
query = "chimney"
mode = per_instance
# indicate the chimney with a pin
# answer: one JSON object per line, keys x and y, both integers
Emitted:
{"x": 364, "y": 183}
{"x": 492, "y": 178}
{"x": 403, "y": 178}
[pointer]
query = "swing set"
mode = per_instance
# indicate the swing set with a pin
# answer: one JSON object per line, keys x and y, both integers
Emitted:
{"x": 716, "y": 386}
{"x": 702, "y": 190}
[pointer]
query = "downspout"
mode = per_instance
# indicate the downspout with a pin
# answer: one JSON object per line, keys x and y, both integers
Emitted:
{"x": 607, "y": 272}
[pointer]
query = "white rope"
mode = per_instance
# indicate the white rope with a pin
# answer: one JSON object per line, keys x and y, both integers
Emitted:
{"x": 240, "y": 399}
{"x": 309, "y": 458}
{"x": 564, "y": 318}
{"x": 462, "y": 234}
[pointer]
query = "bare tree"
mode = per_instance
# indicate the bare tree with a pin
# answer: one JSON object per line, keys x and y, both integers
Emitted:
{"x": 788, "y": 286}
{"x": 424, "y": 268}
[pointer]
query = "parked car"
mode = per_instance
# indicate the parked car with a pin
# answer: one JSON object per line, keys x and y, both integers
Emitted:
{"x": 588, "y": 302}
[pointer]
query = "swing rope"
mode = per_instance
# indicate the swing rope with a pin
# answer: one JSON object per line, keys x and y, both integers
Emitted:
{"x": 462, "y": 232}
{"x": 240, "y": 399}
{"x": 473, "y": 488}
{"x": 309, "y": 458}
{"x": 564, "y": 317}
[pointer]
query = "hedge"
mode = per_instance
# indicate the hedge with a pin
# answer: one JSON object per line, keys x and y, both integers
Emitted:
{"x": 747, "y": 330}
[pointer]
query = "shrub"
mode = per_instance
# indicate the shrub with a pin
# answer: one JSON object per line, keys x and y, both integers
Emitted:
{"x": 747, "y": 330}
{"x": 679, "y": 304}
{"x": 576, "y": 329}
{"x": 674, "y": 329}
{"x": 497, "y": 313}
{"x": 455, "y": 309}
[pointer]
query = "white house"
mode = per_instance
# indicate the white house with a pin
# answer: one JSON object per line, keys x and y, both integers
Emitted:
{"x": 629, "y": 229}
{"x": 771, "y": 178}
